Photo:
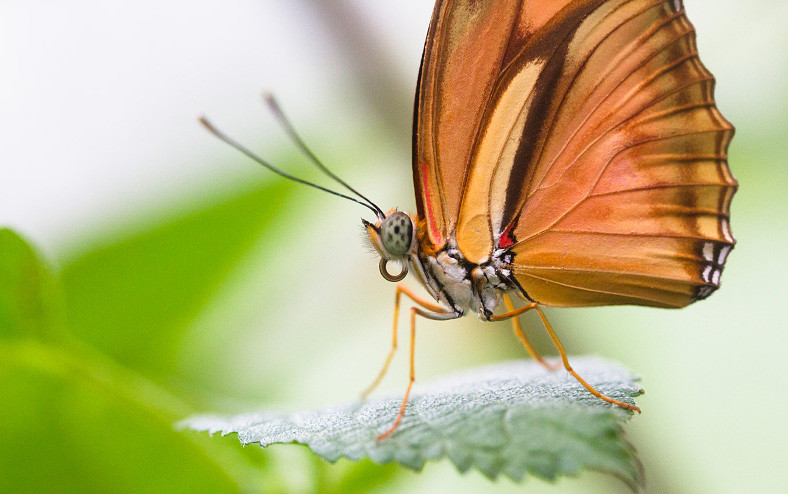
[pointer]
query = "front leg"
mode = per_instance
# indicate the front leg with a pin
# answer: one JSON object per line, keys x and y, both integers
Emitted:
{"x": 435, "y": 308}
{"x": 437, "y": 316}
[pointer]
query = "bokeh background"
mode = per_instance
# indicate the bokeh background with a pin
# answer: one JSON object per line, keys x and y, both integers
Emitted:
{"x": 194, "y": 281}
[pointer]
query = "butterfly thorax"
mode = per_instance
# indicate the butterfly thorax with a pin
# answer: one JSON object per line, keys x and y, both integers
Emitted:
{"x": 454, "y": 281}
{"x": 458, "y": 283}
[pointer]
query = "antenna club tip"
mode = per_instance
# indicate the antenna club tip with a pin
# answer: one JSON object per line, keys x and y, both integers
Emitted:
{"x": 208, "y": 125}
{"x": 270, "y": 100}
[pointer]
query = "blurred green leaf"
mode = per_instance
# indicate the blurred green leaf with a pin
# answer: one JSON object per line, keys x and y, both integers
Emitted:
{"x": 509, "y": 419}
{"x": 133, "y": 296}
{"x": 345, "y": 477}
{"x": 74, "y": 421}
{"x": 66, "y": 429}
{"x": 29, "y": 297}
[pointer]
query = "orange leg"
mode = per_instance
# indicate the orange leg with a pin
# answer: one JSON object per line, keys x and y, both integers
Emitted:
{"x": 440, "y": 316}
{"x": 424, "y": 303}
{"x": 518, "y": 331}
{"x": 569, "y": 369}
{"x": 533, "y": 305}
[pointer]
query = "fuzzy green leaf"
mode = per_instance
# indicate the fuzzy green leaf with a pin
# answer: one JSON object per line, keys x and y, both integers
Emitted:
{"x": 148, "y": 285}
{"x": 73, "y": 420}
{"x": 509, "y": 419}
{"x": 30, "y": 301}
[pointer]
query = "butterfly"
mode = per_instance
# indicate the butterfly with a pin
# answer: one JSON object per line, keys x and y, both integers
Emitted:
{"x": 567, "y": 153}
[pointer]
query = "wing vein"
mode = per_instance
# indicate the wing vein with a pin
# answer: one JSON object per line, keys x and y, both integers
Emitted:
{"x": 632, "y": 47}
{"x": 611, "y": 292}
{"x": 579, "y": 203}
{"x": 671, "y": 279}
{"x": 646, "y": 235}
{"x": 690, "y": 56}
{"x": 660, "y": 187}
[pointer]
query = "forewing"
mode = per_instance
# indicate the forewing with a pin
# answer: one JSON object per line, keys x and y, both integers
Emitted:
{"x": 468, "y": 45}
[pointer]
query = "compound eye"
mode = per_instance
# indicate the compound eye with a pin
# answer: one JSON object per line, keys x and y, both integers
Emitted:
{"x": 396, "y": 233}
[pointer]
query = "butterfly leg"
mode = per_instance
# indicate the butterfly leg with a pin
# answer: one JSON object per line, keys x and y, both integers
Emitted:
{"x": 414, "y": 311}
{"x": 569, "y": 369}
{"x": 518, "y": 330}
{"x": 422, "y": 302}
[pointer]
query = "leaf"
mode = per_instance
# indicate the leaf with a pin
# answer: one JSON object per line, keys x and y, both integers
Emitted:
{"x": 508, "y": 419}
{"x": 73, "y": 420}
{"x": 149, "y": 285}
{"x": 30, "y": 302}
{"x": 74, "y": 428}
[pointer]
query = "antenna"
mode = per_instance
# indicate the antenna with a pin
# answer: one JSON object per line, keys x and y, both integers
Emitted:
{"x": 222, "y": 136}
{"x": 273, "y": 105}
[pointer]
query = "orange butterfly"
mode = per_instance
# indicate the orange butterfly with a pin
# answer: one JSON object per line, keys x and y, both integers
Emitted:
{"x": 567, "y": 152}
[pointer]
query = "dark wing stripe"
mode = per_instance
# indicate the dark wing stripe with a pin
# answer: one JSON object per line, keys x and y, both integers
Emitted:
{"x": 656, "y": 101}
{"x": 465, "y": 50}
{"x": 619, "y": 124}
{"x": 612, "y": 159}
{"x": 536, "y": 187}
{"x": 545, "y": 88}
{"x": 628, "y": 50}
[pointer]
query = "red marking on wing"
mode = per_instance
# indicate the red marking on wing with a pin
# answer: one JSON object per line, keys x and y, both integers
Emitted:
{"x": 507, "y": 238}
{"x": 432, "y": 224}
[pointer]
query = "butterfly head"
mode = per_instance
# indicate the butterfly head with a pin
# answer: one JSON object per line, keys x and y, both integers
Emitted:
{"x": 394, "y": 237}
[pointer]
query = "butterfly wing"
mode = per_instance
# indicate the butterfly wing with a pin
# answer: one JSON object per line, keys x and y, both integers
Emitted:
{"x": 467, "y": 44}
{"x": 597, "y": 156}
